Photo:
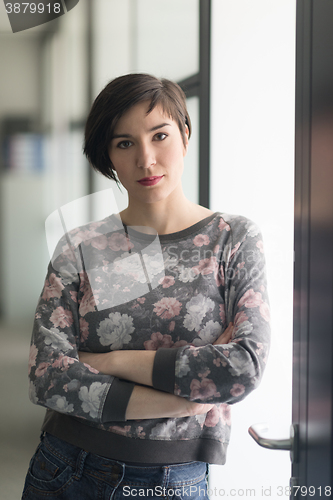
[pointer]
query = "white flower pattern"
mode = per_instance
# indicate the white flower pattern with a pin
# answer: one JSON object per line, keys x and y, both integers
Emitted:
{"x": 197, "y": 309}
{"x": 182, "y": 366}
{"x": 186, "y": 312}
{"x": 60, "y": 403}
{"x": 211, "y": 331}
{"x": 56, "y": 339}
{"x": 91, "y": 398}
{"x": 115, "y": 331}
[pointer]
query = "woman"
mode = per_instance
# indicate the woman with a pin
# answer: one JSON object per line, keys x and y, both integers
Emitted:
{"x": 137, "y": 381}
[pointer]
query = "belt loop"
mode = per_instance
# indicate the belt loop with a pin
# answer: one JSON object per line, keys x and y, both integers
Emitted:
{"x": 166, "y": 475}
{"x": 80, "y": 465}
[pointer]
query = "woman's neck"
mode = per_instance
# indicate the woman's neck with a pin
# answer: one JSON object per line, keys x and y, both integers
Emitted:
{"x": 166, "y": 216}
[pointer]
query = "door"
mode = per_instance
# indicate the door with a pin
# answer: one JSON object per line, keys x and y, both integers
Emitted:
{"x": 313, "y": 289}
{"x": 313, "y": 265}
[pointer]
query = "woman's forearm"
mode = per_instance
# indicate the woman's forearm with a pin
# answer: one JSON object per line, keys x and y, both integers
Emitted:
{"x": 135, "y": 366}
{"x": 146, "y": 403}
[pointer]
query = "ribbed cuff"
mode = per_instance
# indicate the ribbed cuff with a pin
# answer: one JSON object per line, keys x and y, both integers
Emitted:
{"x": 117, "y": 400}
{"x": 164, "y": 370}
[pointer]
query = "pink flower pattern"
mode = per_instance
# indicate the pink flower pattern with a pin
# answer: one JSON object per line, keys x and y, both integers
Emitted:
{"x": 64, "y": 362}
{"x": 177, "y": 314}
{"x": 237, "y": 390}
{"x": 223, "y": 225}
{"x": 90, "y": 368}
{"x": 158, "y": 340}
{"x": 172, "y": 325}
{"x": 167, "y": 308}
{"x": 234, "y": 250}
{"x": 61, "y": 317}
{"x": 213, "y": 417}
{"x": 99, "y": 242}
{"x": 167, "y": 281}
{"x": 88, "y": 302}
{"x": 53, "y": 287}
{"x": 119, "y": 242}
{"x": 222, "y": 313}
{"x": 204, "y": 390}
{"x": 32, "y": 357}
{"x": 201, "y": 239}
{"x": 41, "y": 369}
{"x": 250, "y": 299}
{"x": 84, "y": 329}
{"x": 206, "y": 266}
{"x": 240, "y": 318}
{"x": 260, "y": 245}
{"x": 225, "y": 414}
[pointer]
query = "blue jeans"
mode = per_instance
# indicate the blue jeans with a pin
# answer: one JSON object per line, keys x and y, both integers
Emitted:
{"x": 60, "y": 470}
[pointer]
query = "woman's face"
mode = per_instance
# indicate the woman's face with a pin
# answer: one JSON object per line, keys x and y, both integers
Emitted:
{"x": 147, "y": 152}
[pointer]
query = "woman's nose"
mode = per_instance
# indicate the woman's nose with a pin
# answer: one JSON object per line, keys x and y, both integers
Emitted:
{"x": 146, "y": 156}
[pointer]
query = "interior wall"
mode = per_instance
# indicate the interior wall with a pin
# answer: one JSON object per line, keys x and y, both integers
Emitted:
{"x": 19, "y": 78}
{"x": 20, "y": 90}
{"x": 252, "y": 174}
{"x": 44, "y": 76}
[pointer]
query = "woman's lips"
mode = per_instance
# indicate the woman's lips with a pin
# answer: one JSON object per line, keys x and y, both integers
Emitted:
{"x": 150, "y": 181}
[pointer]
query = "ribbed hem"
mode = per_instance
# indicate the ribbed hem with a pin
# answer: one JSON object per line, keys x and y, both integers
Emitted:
{"x": 164, "y": 370}
{"x": 110, "y": 445}
{"x": 119, "y": 393}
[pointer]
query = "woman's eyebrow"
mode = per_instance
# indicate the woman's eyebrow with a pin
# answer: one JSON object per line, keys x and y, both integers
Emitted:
{"x": 159, "y": 126}
{"x": 129, "y": 136}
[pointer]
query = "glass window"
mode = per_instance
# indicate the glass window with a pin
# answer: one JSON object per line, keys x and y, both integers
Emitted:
{"x": 191, "y": 170}
{"x": 167, "y": 38}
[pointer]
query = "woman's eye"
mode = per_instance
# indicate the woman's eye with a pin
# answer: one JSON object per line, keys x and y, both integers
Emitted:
{"x": 124, "y": 144}
{"x": 160, "y": 136}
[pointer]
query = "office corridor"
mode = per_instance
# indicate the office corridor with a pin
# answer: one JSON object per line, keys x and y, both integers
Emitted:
{"x": 20, "y": 420}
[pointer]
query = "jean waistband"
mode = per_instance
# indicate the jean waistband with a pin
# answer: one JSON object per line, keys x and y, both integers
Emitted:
{"x": 193, "y": 471}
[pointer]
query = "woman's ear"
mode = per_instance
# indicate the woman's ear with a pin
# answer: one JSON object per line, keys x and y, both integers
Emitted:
{"x": 186, "y": 139}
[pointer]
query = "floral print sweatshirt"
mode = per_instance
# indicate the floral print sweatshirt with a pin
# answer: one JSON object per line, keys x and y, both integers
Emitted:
{"x": 110, "y": 287}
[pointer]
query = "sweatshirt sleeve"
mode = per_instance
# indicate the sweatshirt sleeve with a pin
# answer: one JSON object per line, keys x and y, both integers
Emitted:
{"x": 226, "y": 373}
{"x": 58, "y": 380}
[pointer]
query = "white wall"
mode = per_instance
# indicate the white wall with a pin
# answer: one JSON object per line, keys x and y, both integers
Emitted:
{"x": 167, "y": 36}
{"x": 19, "y": 75}
{"x": 47, "y": 80}
{"x": 19, "y": 208}
{"x": 252, "y": 154}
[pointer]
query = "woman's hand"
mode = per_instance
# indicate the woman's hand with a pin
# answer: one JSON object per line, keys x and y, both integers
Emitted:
{"x": 149, "y": 403}
{"x": 145, "y": 402}
{"x": 226, "y": 336}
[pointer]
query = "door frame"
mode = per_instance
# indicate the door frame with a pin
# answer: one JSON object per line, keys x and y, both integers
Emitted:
{"x": 313, "y": 276}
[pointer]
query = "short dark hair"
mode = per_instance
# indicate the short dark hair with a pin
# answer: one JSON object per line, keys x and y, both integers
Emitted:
{"x": 115, "y": 99}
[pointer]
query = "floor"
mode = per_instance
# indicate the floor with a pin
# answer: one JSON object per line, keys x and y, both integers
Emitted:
{"x": 20, "y": 420}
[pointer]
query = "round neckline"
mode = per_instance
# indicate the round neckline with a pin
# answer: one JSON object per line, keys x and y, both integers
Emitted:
{"x": 169, "y": 236}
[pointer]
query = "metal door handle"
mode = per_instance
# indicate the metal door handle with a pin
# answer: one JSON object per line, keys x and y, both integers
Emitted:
{"x": 290, "y": 444}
